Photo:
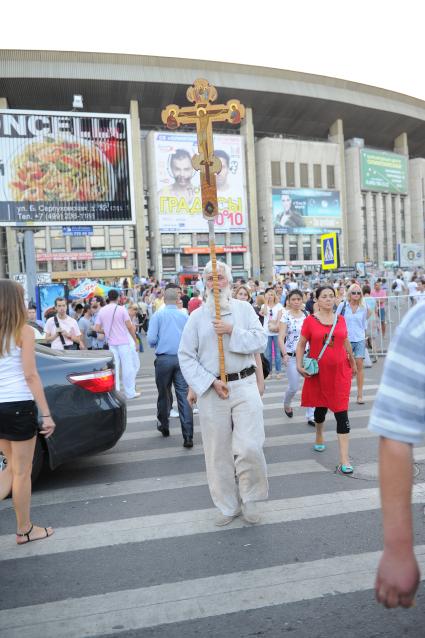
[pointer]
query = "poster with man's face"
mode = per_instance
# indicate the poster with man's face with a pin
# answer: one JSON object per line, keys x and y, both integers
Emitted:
{"x": 305, "y": 211}
{"x": 178, "y": 184}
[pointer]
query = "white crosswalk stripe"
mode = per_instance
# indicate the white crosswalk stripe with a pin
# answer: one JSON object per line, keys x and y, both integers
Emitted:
{"x": 212, "y": 594}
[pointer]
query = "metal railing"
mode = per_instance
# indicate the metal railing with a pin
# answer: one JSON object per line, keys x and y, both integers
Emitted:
{"x": 385, "y": 318}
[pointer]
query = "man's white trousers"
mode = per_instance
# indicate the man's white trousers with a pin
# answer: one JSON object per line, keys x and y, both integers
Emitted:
{"x": 233, "y": 438}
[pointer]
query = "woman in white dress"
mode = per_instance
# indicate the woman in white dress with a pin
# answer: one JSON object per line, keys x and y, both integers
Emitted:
{"x": 289, "y": 334}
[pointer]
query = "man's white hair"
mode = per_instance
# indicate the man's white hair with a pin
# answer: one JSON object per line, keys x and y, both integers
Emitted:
{"x": 221, "y": 265}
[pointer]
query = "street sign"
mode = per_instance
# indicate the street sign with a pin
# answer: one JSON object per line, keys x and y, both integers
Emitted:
{"x": 77, "y": 231}
{"x": 329, "y": 246}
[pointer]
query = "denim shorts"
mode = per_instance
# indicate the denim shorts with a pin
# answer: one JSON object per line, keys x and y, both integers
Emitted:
{"x": 358, "y": 348}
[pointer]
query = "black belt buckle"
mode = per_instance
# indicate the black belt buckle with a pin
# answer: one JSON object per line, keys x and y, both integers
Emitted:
{"x": 235, "y": 376}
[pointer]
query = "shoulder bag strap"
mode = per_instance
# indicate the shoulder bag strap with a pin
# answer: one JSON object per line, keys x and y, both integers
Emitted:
{"x": 112, "y": 322}
{"x": 61, "y": 337}
{"x": 328, "y": 339}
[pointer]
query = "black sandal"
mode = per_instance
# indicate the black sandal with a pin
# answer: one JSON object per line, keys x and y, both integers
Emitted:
{"x": 30, "y": 540}
{"x": 289, "y": 413}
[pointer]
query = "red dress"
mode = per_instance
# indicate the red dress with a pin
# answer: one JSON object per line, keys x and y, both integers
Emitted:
{"x": 331, "y": 387}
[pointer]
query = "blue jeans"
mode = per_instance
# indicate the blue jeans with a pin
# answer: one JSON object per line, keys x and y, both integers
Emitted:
{"x": 168, "y": 373}
{"x": 277, "y": 355}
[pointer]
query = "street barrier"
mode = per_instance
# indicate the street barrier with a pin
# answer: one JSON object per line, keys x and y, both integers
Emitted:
{"x": 386, "y": 315}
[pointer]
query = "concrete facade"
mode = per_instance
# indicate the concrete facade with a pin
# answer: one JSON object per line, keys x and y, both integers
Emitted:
{"x": 291, "y": 118}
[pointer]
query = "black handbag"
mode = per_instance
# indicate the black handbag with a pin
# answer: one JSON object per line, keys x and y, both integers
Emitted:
{"x": 266, "y": 366}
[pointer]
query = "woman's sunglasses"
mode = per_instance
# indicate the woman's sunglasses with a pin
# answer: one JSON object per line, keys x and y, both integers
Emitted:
{"x": 354, "y": 292}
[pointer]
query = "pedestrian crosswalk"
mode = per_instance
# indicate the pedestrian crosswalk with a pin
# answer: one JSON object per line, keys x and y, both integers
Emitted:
{"x": 136, "y": 549}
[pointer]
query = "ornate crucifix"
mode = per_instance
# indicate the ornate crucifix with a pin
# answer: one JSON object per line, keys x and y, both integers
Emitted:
{"x": 204, "y": 114}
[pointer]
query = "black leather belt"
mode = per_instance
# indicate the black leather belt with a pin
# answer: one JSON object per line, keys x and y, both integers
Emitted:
{"x": 235, "y": 376}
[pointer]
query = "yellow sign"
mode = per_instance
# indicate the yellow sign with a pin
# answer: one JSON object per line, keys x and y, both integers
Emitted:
{"x": 329, "y": 246}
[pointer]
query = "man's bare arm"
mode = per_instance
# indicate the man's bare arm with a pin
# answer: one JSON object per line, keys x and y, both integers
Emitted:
{"x": 398, "y": 573}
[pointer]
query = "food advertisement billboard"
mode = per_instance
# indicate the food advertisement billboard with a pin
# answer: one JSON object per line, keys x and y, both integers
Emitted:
{"x": 383, "y": 171}
{"x": 65, "y": 168}
{"x": 305, "y": 211}
{"x": 178, "y": 184}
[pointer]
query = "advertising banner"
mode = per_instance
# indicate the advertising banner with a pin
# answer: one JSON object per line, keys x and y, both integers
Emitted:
{"x": 65, "y": 168}
{"x": 178, "y": 184}
{"x": 382, "y": 171}
{"x": 305, "y": 211}
{"x": 410, "y": 255}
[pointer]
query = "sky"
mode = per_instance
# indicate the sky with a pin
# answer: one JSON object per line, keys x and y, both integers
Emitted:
{"x": 375, "y": 42}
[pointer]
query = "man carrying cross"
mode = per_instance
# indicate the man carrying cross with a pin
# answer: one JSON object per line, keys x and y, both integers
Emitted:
{"x": 230, "y": 406}
{"x": 231, "y": 413}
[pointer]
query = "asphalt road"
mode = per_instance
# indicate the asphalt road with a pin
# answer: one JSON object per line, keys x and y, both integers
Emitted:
{"x": 136, "y": 552}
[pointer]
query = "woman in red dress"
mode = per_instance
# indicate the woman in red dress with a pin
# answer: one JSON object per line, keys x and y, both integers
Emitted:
{"x": 330, "y": 388}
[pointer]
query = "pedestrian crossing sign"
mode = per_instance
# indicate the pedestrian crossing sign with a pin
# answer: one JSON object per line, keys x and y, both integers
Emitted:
{"x": 329, "y": 246}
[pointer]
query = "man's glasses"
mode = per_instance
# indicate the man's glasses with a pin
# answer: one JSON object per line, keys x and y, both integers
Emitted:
{"x": 219, "y": 277}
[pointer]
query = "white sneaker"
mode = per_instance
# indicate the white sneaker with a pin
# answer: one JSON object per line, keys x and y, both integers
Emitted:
{"x": 135, "y": 396}
{"x": 195, "y": 410}
{"x": 250, "y": 514}
{"x": 174, "y": 413}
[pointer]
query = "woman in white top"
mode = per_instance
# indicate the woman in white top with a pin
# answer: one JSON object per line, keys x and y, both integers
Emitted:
{"x": 289, "y": 334}
{"x": 272, "y": 313}
{"x": 19, "y": 386}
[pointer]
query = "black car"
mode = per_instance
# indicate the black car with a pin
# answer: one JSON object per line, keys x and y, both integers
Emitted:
{"x": 90, "y": 415}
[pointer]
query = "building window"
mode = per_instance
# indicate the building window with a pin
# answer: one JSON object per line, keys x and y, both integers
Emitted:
{"x": 304, "y": 175}
{"x": 116, "y": 242}
{"x": 220, "y": 239}
{"x": 185, "y": 239}
{"x": 117, "y": 264}
{"x": 317, "y": 175}
{"x": 290, "y": 174}
{"x": 278, "y": 252}
{"x": 330, "y": 176}
{"x": 59, "y": 266}
{"x": 57, "y": 243}
{"x": 186, "y": 261}
{"x": 203, "y": 260}
{"x": 276, "y": 176}
{"x": 78, "y": 243}
{"x": 79, "y": 265}
{"x": 307, "y": 249}
{"x": 236, "y": 239}
{"x": 237, "y": 260}
{"x": 167, "y": 239}
{"x": 168, "y": 262}
{"x": 202, "y": 239}
{"x": 98, "y": 264}
{"x": 365, "y": 239}
{"x": 40, "y": 240}
{"x": 98, "y": 242}
{"x": 402, "y": 221}
{"x": 42, "y": 266}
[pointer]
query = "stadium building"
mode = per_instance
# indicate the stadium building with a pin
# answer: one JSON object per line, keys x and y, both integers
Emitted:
{"x": 313, "y": 154}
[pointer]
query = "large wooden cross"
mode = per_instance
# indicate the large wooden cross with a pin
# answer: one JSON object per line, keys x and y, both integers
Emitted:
{"x": 204, "y": 114}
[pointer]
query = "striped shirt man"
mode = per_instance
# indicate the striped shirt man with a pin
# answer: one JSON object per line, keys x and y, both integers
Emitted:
{"x": 399, "y": 409}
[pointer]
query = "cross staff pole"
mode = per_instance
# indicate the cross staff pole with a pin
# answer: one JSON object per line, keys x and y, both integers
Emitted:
{"x": 203, "y": 114}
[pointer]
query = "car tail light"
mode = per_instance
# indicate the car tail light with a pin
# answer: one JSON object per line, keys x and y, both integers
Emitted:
{"x": 102, "y": 381}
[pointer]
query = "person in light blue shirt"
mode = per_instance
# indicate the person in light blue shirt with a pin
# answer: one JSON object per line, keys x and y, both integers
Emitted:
{"x": 356, "y": 313}
{"x": 398, "y": 418}
{"x": 164, "y": 334}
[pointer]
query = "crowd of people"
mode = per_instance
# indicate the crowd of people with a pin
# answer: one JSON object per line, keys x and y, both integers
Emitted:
{"x": 313, "y": 332}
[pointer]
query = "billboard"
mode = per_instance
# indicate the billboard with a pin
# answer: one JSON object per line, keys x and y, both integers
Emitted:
{"x": 65, "y": 168}
{"x": 178, "y": 184}
{"x": 410, "y": 255}
{"x": 382, "y": 171}
{"x": 305, "y": 211}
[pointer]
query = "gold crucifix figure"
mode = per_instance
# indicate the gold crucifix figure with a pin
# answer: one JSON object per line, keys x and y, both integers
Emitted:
{"x": 203, "y": 114}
